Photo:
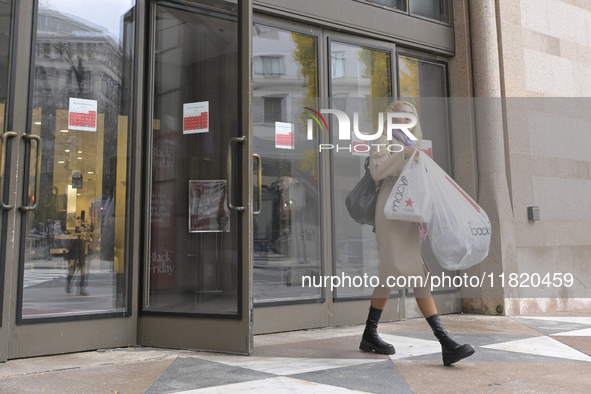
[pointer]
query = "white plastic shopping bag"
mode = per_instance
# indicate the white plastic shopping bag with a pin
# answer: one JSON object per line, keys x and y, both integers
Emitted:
{"x": 459, "y": 229}
{"x": 410, "y": 199}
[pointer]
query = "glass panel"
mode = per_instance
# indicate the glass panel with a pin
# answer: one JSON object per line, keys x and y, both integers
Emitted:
{"x": 287, "y": 231}
{"x": 365, "y": 89}
{"x": 439, "y": 10}
{"x": 194, "y": 239}
{"x": 424, "y": 83}
{"x": 397, "y": 4}
{"x": 75, "y": 246}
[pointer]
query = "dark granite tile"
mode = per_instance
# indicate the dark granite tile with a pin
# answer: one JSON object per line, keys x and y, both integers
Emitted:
{"x": 378, "y": 377}
{"x": 188, "y": 373}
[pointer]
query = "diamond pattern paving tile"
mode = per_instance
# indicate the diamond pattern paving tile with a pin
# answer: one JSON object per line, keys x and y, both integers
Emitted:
{"x": 582, "y": 344}
{"x": 542, "y": 346}
{"x": 338, "y": 347}
{"x": 473, "y": 339}
{"x": 411, "y": 347}
{"x": 585, "y": 332}
{"x": 277, "y": 385}
{"x": 382, "y": 377}
{"x": 549, "y": 326}
{"x": 285, "y": 365}
{"x": 187, "y": 373}
{"x": 563, "y": 319}
{"x": 483, "y": 354}
{"x": 496, "y": 377}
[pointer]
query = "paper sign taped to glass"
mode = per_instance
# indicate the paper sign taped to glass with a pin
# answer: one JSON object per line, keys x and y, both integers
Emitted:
{"x": 208, "y": 211}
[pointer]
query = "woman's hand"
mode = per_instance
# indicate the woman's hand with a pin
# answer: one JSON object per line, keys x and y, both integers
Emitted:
{"x": 408, "y": 151}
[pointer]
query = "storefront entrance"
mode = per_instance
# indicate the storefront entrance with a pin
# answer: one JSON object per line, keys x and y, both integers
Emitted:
{"x": 157, "y": 182}
{"x": 73, "y": 179}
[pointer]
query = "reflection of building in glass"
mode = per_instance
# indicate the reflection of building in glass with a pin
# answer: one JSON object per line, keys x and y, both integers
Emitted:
{"x": 77, "y": 59}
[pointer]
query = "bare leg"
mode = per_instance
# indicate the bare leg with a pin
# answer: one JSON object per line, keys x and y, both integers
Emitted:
{"x": 379, "y": 297}
{"x": 425, "y": 301}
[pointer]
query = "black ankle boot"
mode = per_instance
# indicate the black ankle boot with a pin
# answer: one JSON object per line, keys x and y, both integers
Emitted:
{"x": 451, "y": 350}
{"x": 371, "y": 341}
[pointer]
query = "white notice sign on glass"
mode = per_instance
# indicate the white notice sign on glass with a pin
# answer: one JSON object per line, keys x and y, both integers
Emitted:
{"x": 196, "y": 117}
{"x": 82, "y": 114}
{"x": 284, "y": 135}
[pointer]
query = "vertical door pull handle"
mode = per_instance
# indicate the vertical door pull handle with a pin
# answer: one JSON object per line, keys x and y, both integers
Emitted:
{"x": 36, "y": 138}
{"x": 4, "y": 138}
{"x": 229, "y": 167}
{"x": 259, "y": 184}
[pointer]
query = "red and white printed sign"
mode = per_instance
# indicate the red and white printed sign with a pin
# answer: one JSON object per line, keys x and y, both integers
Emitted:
{"x": 427, "y": 147}
{"x": 284, "y": 135}
{"x": 208, "y": 209}
{"x": 196, "y": 117}
{"x": 82, "y": 114}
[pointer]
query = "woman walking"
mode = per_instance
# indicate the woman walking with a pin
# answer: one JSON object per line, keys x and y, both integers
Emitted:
{"x": 399, "y": 245}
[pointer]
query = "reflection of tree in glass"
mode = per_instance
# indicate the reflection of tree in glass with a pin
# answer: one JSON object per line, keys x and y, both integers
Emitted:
{"x": 306, "y": 55}
{"x": 377, "y": 68}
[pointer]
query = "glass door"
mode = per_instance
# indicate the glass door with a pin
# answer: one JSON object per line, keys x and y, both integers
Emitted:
{"x": 288, "y": 232}
{"x": 361, "y": 84}
{"x": 68, "y": 270}
{"x": 197, "y": 264}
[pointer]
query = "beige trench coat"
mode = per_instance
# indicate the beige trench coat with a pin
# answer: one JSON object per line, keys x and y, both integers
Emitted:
{"x": 399, "y": 243}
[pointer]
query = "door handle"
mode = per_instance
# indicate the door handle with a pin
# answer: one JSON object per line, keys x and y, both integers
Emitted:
{"x": 259, "y": 183}
{"x": 4, "y": 138}
{"x": 27, "y": 208}
{"x": 229, "y": 166}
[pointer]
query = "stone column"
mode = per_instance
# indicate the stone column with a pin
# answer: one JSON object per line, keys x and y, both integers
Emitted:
{"x": 493, "y": 190}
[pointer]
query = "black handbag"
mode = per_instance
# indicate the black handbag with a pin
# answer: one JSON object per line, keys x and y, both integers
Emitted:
{"x": 361, "y": 201}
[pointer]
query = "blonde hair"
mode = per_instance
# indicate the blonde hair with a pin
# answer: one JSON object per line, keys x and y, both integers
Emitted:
{"x": 416, "y": 130}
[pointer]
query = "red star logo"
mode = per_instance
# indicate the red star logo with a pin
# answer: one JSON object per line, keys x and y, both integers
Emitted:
{"x": 409, "y": 202}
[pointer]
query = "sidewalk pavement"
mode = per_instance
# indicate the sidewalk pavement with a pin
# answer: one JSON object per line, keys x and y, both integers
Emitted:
{"x": 513, "y": 354}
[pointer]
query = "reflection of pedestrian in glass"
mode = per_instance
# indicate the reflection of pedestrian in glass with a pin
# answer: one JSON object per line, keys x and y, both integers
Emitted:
{"x": 76, "y": 257}
{"x": 399, "y": 246}
{"x": 77, "y": 260}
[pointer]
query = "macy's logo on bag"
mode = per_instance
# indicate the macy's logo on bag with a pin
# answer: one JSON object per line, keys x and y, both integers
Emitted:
{"x": 480, "y": 230}
{"x": 398, "y": 197}
{"x": 344, "y": 128}
{"x": 399, "y": 194}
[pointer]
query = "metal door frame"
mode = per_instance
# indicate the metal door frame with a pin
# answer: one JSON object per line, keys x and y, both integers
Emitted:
{"x": 232, "y": 335}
